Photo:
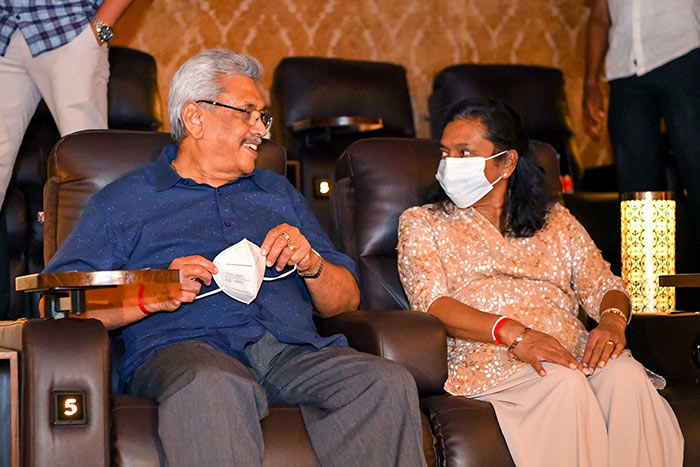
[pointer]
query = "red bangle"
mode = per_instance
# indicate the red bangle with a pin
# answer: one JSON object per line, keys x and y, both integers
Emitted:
{"x": 496, "y": 327}
{"x": 140, "y": 298}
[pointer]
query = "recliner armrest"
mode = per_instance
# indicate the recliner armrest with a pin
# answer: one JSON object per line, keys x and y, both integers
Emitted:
{"x": 414, "y": 339}
{"x": 70, "y": 355}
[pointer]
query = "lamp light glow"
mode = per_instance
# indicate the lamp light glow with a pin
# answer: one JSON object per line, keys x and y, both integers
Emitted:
{"x": 648, "y": 249}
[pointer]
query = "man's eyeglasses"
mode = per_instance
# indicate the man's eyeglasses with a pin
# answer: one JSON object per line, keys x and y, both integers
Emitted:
{"x": 248, "y": 114}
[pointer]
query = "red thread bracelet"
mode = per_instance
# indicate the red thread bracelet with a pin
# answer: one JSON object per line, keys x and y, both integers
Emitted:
{"x": 496, "y": 327}
{"x": 140, "y": 298}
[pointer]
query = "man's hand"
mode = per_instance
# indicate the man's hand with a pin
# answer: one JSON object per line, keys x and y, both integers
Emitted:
{"x": 537, "y": 347}
{"x": 287, "y": 246}
{"x": 606, "y": 341}
{"x": 194, "y": 270}
{"x": 593, "y": 110}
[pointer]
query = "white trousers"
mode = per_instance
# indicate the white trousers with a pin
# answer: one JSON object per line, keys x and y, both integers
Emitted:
{"x": 613, "y": 418}
{"x": 72, "y": 80}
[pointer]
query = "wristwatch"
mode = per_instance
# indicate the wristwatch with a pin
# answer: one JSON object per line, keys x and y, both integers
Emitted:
{"x": 317, "y": 273}
{"x": 104, "y": 32}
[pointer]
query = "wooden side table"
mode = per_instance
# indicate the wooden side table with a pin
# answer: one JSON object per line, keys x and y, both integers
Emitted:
{"x": 9, "y": 405}
{"x": 680, "y": 280}
{"x": 70, "y": 287}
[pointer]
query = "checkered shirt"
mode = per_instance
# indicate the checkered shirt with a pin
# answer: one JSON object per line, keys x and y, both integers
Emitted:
{"x": 45, "y": 25}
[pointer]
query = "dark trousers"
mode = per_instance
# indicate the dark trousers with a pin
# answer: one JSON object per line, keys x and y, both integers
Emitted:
{"x": 637, "y": 105}
{"x": 358, "y": 409}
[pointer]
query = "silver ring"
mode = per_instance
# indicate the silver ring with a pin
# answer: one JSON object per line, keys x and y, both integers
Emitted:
{"x": 285, "y": 236}
{"x": 610, "y": 343}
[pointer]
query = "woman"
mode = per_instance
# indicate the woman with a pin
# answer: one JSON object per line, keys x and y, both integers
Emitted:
{"x": 505, "y": 268}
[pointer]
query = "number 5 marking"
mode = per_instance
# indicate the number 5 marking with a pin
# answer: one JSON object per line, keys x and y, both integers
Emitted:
{"x": 71, "y": 407}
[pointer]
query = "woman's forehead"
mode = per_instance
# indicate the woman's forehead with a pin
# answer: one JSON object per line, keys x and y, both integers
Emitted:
{"x": 464, "y": 132}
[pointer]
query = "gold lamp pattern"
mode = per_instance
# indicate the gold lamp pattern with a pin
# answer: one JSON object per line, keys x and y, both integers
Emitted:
{"x": 648, "y": 228}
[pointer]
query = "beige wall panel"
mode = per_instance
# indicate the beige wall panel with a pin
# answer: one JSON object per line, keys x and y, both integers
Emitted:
{"x": 422, "y": 35}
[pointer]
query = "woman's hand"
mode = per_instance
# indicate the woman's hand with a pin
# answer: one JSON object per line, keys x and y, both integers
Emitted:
{"x": 606, "y": 341}
{"x": 537, "y": 347}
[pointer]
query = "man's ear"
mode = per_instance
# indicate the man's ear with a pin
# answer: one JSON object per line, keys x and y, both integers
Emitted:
{"x": 192, "y": 118}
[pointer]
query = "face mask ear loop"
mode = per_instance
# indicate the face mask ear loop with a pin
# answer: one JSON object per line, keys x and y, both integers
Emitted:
{"x": 496, "y": 155}
{"x": 211, "y": 292}
{"x": 281, "y": 276}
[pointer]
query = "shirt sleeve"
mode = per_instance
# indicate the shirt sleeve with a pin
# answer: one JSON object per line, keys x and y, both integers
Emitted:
{"x": 92, "y": 245}
{"x": 420, "y": 268}
{"x": 591, "y": 277}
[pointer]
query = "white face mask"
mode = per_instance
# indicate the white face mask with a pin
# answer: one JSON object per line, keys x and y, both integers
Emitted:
{"x": 241, "y": 272}
{"x": 464, "y": 180}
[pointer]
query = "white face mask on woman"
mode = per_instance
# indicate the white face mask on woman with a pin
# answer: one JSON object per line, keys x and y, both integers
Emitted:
{"x": 464, "y": 179}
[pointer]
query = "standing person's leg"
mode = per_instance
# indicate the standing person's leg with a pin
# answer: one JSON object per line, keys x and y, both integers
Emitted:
{"x": 359, "y": 409}
{"x": 678, "y": 80}
{"x": 634, "y": 121}
{"x": 549, "y": 420}
{"x": 209, "y": 406}
{"x": 642, "y": 429}
{"x": 73, "y": 80}
{"x": 19, "y": 97}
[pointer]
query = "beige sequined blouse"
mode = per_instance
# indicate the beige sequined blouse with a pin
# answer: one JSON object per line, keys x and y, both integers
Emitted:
{"x": 539, "y": 281}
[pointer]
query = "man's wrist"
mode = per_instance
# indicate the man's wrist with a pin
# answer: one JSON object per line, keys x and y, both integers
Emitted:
{"x": 103, "y": 31}
{"x": 313, "y": 273}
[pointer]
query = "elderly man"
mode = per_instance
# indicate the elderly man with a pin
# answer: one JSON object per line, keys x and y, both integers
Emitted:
{"x": 214, "y": 363}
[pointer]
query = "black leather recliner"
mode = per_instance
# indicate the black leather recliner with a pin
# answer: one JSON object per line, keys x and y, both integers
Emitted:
{"x": 133, "y": 103}
{"x": 321, "y": 105}
{"x": 376, "y": 180}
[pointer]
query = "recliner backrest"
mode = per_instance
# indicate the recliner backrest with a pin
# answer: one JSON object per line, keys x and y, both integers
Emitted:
{"x": 376, "y": 180}
{"x": 315, "y": 87}
{"x": 84, "y": 162}
{"x": 322, "y": 105}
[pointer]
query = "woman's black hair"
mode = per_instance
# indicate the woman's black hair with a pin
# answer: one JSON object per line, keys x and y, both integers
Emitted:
{"x": 529, "y": 197}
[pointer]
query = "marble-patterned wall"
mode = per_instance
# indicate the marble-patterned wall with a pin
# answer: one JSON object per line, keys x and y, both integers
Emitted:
{"x": 422, "y": 35}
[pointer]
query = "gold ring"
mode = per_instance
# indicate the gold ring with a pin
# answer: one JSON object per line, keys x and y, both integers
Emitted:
{"x": 285, "y": 236}
{"x": 610, "y": 343}
{"x": 291, "y": 247}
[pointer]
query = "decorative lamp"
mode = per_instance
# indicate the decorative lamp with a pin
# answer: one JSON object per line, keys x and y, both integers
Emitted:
{"x": 648, "y": 227}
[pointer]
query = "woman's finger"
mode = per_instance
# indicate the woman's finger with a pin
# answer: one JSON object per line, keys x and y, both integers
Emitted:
{"x": 619, "y": 347}
{"x": 596, "y": 353}
{"x": 608, "y": 348}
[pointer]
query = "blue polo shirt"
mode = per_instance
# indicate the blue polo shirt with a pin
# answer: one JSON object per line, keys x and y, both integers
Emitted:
{"x": 151, "y": 216}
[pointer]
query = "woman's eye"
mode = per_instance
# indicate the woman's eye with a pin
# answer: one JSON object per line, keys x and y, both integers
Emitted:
{"x": 443, "y": 153}
{"x": 464, "y": 153}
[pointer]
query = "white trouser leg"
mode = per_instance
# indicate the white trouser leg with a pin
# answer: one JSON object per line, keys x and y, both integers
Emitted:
{"x": 73, "y": 81}
{"x": 553, "y": 420}
{"x": 19, "y": 97}
{"x": 642, "y": 428}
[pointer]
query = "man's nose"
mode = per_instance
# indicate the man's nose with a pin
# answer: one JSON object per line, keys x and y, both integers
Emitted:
{"x": 259, "y": 128}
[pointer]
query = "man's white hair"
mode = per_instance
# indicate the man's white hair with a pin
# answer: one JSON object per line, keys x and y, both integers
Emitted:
{"x": 200, "y": 78}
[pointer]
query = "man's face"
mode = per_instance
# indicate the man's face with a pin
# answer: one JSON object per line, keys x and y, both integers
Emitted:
{"x": 231, "y": 137}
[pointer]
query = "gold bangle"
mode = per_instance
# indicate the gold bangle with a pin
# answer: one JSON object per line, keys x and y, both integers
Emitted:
{"x": 518, "y": 339}
{"x": 313, "y": 275}
{"x": 617, "y": 311}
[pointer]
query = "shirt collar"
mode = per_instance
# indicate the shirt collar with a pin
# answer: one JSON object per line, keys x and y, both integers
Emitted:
{"x": 166, "y": 176}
